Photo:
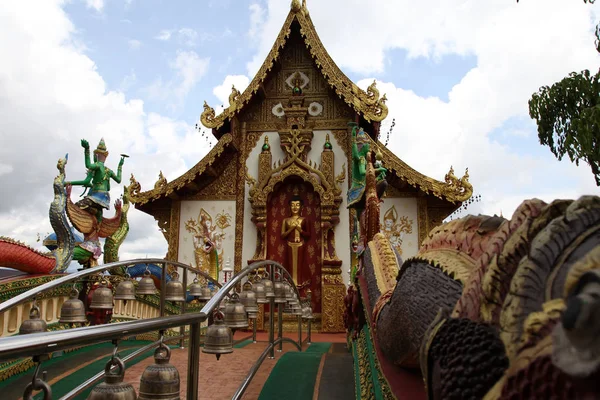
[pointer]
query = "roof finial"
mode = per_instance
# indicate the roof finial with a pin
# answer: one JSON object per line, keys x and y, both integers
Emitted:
{"x": 296, "y": 5}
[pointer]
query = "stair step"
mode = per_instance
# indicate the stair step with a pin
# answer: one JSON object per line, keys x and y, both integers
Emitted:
{"x": 337, "y": 377}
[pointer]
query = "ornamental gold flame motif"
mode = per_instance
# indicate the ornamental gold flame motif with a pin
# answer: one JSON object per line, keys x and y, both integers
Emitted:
{"x": 73, "y": 310}
{"x": 174, "y": 289}
{"x": 235, "y": 313}
{"x": 102, "y": 299}
{"x": 34, "y": 324}
{"x": 146, "y": 284}
{"x": 113, "y": 388}
{"x": 160, "y": 381}
{"x": 219, "y": 339}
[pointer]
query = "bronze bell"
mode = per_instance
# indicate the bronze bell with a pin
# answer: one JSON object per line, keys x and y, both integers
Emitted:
{"x": 195, "y": 288}
{"x": 279, "y": 291}
{"x": 289, "y": 291}
{"x": 235, "y": 313}
{"x": 174, "y": 289}
{"x": 296, "y": 309}
{"x": 34, "y": 324}
{"x": 126, "y": 290}
{"x": 113, "y": 387}
{"x": 161, "y": 379}
{"x": 268, "y": 283}
{"x": 248, "y": 298}
{"x": 146, "y": 284}
{"x": 259, "y": 290}
{"x": 307, "y": 311}
{"x": 219, "y": 338}
{"x": 205, "y": 294}
{"x": 73, "y": 310}
{"x": 102, "y": 298}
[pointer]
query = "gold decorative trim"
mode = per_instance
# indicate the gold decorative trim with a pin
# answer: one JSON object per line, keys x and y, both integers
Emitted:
{"x": 453, "y": 189}
{"x": 173, "y": 251}
{"x": 453, "y": 262}
{"x": 189, "y": 176}
{"x": 205, "y": 197}
{"x": 422, "y": 222}
{"x": 368, "y": 103}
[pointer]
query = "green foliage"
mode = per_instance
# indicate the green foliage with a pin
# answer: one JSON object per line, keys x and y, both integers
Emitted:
{"x": 568, "y": 116}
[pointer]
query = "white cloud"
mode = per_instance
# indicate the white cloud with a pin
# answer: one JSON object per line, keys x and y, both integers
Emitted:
{"x": 257, "y": 19}
{"x": 189, "y": 69}
{"x": 5, "y": 169}
{"x": 134, "y": 44}
{"x": 224, "y": 90}
{"x": 434, "y": 29}
{"x": 97, "y": 5}
{"x": 164, "y": 35}
{"x": 70, "y": 101}
{"x": 188, "y": 36}
{"x": 518, "y": 47}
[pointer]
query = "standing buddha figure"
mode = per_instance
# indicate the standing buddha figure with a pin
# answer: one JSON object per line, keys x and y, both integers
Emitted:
{"x": 294, "y": 229}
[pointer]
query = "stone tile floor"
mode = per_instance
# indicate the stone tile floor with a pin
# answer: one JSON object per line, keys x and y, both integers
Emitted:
{"x": 220, "y": 379}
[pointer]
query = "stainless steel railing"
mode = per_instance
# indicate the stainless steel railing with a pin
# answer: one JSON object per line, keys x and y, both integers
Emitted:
{"x": 39, "y": 344}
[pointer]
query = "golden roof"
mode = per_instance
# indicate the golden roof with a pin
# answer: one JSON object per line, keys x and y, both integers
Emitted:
{"x": 453, "y": 189}
{"x": 368, "y": 103}
{"x": 164, "y": 188}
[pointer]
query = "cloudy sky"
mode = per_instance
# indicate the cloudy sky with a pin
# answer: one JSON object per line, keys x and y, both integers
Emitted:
{"x": 457, "y": 73}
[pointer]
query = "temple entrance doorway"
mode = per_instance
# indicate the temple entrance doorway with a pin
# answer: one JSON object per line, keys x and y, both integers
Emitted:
{"x": 294, "y": 235}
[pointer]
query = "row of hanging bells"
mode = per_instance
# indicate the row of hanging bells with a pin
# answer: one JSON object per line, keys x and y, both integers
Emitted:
{"x": 159, "y": 381}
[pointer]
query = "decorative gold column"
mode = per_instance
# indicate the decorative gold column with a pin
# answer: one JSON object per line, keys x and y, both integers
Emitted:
{"x": 332, "y": 287}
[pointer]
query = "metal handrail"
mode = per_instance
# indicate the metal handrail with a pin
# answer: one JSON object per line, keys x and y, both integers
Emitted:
{"x": 30, "y": 294}
{"x": 96, "y": 378}
{"x": 47, "y": 342}
{"x": 240, "y": 392}
{"x": 217, "y": 298}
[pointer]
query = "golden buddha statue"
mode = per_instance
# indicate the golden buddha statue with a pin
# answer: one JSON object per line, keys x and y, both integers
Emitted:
{"x": 294, "y": 230}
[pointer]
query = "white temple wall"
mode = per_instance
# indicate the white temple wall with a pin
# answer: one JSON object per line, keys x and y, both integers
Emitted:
{"x": 249, "y": 241}
{"x": 342, "y": 229}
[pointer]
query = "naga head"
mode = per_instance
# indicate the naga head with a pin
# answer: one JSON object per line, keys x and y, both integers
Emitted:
{"x": 576, "y": 341}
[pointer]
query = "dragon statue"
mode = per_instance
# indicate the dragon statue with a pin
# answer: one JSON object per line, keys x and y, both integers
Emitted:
{"x": 489, "y": 308}
{"x": 66, "y": 218}
{"x": 21, "y": 257}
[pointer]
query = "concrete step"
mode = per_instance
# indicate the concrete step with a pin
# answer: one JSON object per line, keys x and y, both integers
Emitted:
{"x": 337, "y": 378}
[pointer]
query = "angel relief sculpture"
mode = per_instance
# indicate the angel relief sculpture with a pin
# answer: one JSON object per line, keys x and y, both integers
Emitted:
{"x": 86, "y": 215}
{"x": 208, "y": 243}
{"x": 394, "y": 229}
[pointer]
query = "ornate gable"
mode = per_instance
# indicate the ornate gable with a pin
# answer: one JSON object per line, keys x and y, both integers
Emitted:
{"x": 367, "y": 104}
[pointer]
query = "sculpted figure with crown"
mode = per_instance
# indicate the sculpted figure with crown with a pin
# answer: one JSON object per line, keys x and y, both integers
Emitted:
{"x": 86, "y": 215}
{"x": 295, "y": 231}
{"x": 208, "y": 243}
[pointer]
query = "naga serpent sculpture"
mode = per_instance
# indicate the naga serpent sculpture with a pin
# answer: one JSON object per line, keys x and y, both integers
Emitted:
{"x": 489, "y": 308}
{"x": 19, "y": 256}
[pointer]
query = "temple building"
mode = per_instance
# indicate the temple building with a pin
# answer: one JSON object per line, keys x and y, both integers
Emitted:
{"x": 276, "y": 184}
